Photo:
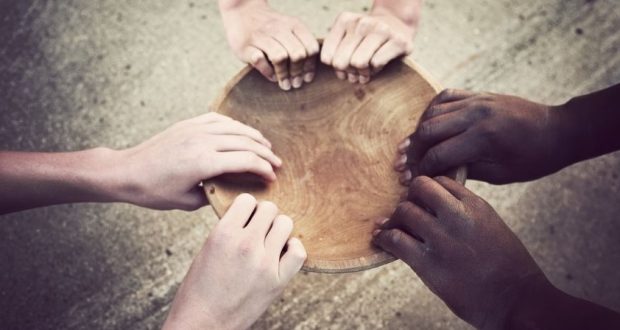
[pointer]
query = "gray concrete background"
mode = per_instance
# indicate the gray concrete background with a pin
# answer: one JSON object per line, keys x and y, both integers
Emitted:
{"x": 76, "y": 74}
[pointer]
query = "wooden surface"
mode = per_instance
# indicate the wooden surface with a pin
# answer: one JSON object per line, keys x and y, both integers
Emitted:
{"x": 338, "y": 142}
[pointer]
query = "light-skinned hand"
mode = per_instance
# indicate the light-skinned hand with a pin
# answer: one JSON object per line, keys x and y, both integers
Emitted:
{"x": 280, "y": 47}
{"x": 244, "y": 265}
{"x": 164, "y": 171}
{"x": 360, "y": 45}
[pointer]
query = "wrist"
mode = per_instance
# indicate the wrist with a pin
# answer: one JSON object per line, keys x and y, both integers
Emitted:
{"x": 407, "y": 12}
{"x": 565, "y": 140}
{"x": 104, "y": 174}
{"x": 189, "y": 312}
{"x": 531, "y": 304}
{"x": 573, "y": 138}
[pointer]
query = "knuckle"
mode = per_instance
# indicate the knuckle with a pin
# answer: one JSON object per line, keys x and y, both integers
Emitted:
{"x": 278, "y": 56}
{"x": 433, "y": 157}
{"x": 377, "y": 62}
{"x": 425, "y": 131}
{"x": 285, "y": 222}
{"x": 434, "y": 110}
{"x": 297, "y": 55}
{"x": 268, "y": 206}
{"x": 399, "y": 42}
{"x": 271, "y": 27}
{"x": 359, "y": 64}
{"x": 446, "y": 93}
{"x": 341, "y": 65}
{"x": 382, "y": 29}
{"x": 245, "y": 248}
{"x": 420, "y": 181}
{"x": 247, "y": 199}
{"x": 365, "y": 25}
{"x": 220, "y": 237}
{"x": 345, "y": 17}
{"x": 256, "y": 59}
{"x": 402, "y": 211}
{"x": 252, "y": 159}
{"x": 482, "y": 108}
{"x": 395, "y": 236}
{"x": 313, "y": 49}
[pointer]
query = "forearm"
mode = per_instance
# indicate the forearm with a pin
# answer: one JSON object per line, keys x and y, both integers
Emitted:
{"x": 408, "y": 11}
{"x": 38, "y": 179}
{"x": 592, "y": 124}
{"x": 543, "y": 306}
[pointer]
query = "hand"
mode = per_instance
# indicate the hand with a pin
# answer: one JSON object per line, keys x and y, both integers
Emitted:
{"x": 240, "y": 270}
{"x": 280, "y": 47}
{"x": 500, "y": 138}
{"x": 164, "y": 172}
{"x": 360, "y": 45}
{"x": 462, "y": 250}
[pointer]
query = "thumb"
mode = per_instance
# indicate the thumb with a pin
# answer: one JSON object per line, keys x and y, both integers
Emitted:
{"x": 256, "y": 58}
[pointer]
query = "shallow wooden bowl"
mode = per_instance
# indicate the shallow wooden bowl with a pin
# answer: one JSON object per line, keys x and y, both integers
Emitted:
{"x": 338, "y": 143}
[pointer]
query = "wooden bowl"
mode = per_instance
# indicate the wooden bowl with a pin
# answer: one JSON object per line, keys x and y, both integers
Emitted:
{"x": 338, "y": 142}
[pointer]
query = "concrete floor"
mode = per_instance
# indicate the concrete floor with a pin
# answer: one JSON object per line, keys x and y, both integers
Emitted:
{"x": 76, "y": 74}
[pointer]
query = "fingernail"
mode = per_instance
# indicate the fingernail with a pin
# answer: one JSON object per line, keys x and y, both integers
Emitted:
{"x": 405, "y": 178}
{"x": 402, "y": 147}
{"x": 401, "y": 163}
{"x": 341, "y": 75}
{"x": 381, "y": 222}
{"x": 364, "y": 79}
{"x": 285, "y": 84}
{"x": 376, "y": 232}
{"x": 278, "y": 161}
{"x": 352, "y": 78}
{"x": 297, "y": 81}
{"x": 309, "y": 77}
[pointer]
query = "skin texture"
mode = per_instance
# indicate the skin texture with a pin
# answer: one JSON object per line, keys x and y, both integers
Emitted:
{"x": 244, "y": 265}
{"x": 360, "y": 45}
{"x": 280, "y": 47}
{"x": 463, "y": 251}
{"x": 163, "y": 172}
{"x": 504, "y": 139}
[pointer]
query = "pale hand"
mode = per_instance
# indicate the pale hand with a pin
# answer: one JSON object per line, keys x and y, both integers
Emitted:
{"x": 360, "y": 45}
{"x": 244, "y": 265}
{"x": 280, "y": 47}
{"x": 164, "y": 172}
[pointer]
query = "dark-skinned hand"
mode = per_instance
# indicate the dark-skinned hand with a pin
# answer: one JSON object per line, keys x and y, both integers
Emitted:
{"x": 501, "y": 139}
{"x": 461, "y": 249}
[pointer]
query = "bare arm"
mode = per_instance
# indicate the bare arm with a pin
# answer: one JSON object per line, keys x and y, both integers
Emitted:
{"x": 594, "y": 119}
{"x": 37, "y": 179}
{"x": 160, "y": 173}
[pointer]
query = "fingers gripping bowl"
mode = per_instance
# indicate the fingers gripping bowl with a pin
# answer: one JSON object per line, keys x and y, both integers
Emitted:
{"x": 338, "y": 142}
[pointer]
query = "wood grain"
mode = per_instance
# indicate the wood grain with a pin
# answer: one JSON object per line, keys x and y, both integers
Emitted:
{"x": 338, "y": 142}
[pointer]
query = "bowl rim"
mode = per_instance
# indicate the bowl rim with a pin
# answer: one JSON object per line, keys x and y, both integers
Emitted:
{"x": 327, "y": 266}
